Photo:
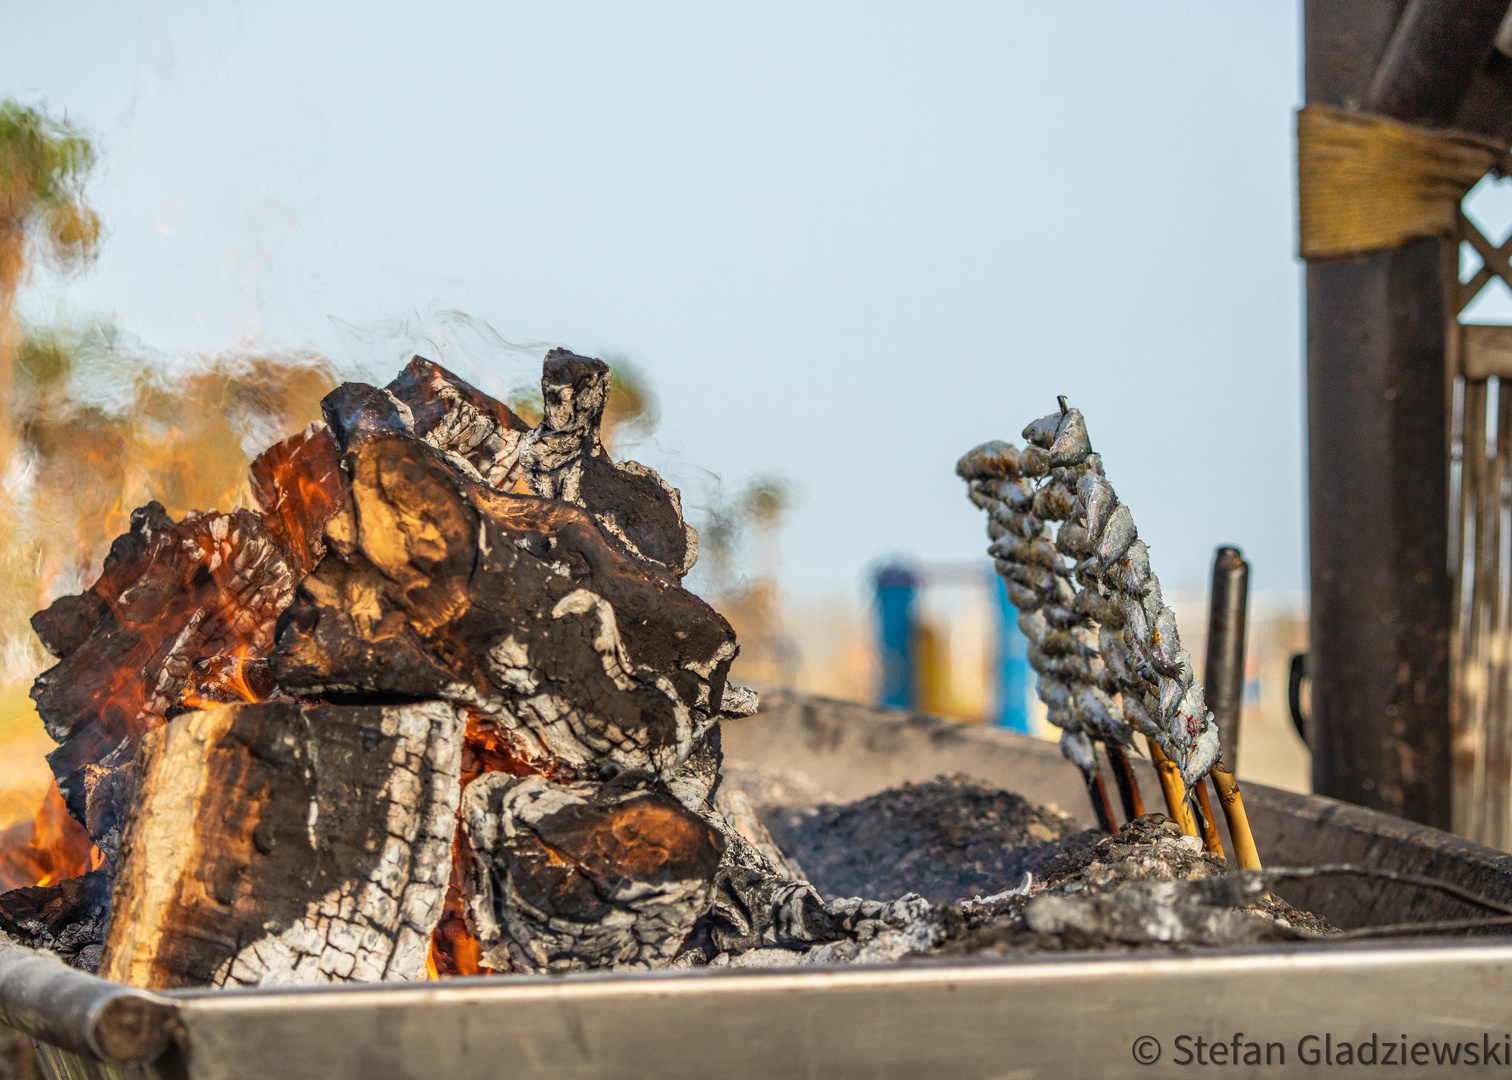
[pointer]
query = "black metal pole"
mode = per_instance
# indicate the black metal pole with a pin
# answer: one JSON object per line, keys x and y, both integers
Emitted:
{"x": 1228, "y": 609}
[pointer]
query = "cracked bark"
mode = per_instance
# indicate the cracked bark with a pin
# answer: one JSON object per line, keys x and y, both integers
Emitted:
{"x": 280, "y": 843}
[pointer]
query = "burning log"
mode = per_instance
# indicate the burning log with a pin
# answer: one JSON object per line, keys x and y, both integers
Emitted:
{"x": 171, "y": 593}
{"x": 578, "y": 655}
{"x": 430, "y": 598}
{"x": 456, "y": 417}
{"x": 576, "y": 651}
{"x": 284, "y": 843}
{"x": 176, "y": 604}
{"x": 558, "y": 622}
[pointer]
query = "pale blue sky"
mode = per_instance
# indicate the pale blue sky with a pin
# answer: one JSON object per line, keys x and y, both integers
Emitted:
{"x": 846, "y": 241}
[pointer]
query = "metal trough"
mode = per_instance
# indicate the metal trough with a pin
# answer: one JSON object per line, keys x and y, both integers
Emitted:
{"x": 1292, "y": 1008}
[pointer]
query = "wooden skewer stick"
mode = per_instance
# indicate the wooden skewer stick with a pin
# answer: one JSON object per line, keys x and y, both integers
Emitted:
{"x": 1128, "y": 783}
{"x": 1238, "y": 822}
{"x": 1098, "y": 791}
{"x": 1210, "y": 838}
{"x": 1174, "y": 788}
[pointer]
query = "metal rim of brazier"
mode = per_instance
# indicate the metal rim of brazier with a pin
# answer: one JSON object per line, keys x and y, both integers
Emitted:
{"x": 1065, "y": 1016}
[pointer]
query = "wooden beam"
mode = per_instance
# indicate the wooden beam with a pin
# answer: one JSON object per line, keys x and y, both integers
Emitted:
{"x": 1432, "y": 59}
{"x": 1378, "y": 378}
{"x": 280, "y": 843}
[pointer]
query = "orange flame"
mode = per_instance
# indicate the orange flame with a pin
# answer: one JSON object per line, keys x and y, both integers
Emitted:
{"x": 181, "y": 443}
{"x": 225, "y": 680}
{"x": 453, "y": 948}
{"x": 47, "y": 849}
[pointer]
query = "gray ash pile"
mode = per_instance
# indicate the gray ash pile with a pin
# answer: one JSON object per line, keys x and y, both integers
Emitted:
{"x": 945, "y": 840}
{"x": 955, "y": 867}
{"x": 1148, "y": 886}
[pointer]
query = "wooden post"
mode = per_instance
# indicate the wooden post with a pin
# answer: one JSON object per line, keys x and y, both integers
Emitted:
{"x": 1378, "y": 401}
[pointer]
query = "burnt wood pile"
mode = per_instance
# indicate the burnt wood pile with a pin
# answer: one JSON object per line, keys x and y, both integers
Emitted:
{"x": 438, "y": 703}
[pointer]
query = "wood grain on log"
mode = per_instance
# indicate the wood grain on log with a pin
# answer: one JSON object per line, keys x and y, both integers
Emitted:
{"x": 279, "y": 843}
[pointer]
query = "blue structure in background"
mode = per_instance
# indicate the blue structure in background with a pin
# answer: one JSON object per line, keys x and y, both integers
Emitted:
{"x": 897, "y": 587}
{"x": 1012, "y": 663}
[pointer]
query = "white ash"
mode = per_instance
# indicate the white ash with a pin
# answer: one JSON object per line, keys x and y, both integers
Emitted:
{"x": 946, "y": 839}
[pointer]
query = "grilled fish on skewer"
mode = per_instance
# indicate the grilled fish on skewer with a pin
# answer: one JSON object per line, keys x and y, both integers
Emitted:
{"x": 1063, "y": 646}
{"x": 1090, "y": 603}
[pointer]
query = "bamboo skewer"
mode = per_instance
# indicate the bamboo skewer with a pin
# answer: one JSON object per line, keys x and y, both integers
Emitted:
{"x": 1098, "y": 792}
{"x": 1128, "y": 783}
{"x": 1175, "y": 790}
{"x": 1210, "y": 838}
{"x": 1245, "y": 852}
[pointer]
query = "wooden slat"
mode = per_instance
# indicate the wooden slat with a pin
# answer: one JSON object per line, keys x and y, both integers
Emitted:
{"x": 1469, "y": 290}
{"x": 1487, "y": 352}
{"x": 1483, "y": 626}
{"x": 1469, "y": 736}
{"x": 1498, "y": 786}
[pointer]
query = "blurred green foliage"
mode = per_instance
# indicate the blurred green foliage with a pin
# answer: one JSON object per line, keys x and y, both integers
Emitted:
{"x": 44, "y": 163}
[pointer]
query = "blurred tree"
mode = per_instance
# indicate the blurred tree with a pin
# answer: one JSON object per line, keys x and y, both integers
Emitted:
{"x": 745, "y": 530}
{"x": 103, "y": 427}
{"x": 44, "y": 164}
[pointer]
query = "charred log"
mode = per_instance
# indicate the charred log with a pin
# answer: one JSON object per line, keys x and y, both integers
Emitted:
{"x": 565, "y": 459}
{"x": 436, "y": 586}
{"x": 229, "y": 680}
{"x": 298, "y": 485}
{"x": 282, "y": 843}
{"x": 170, "y": 594}
{"x": 68, "y": 918}
{"x": 585, "y": 875}
{"x": 109, "y": 795}
{"x": 456, "y": 417}
{"x": 492, "y": 608}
